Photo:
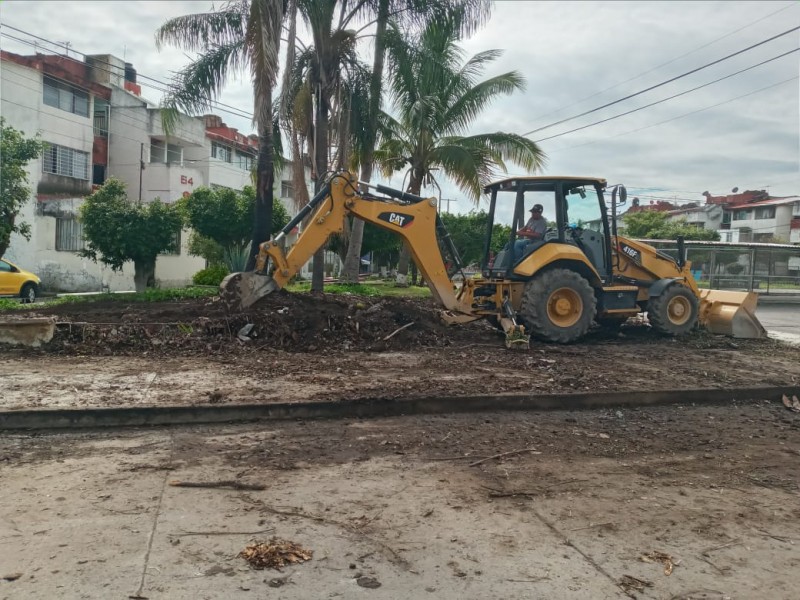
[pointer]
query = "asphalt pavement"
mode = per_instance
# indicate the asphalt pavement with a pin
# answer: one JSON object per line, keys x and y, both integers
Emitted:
{"x": 780, "y": 318}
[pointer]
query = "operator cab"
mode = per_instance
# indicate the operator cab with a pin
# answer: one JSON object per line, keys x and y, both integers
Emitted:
{"x": 574, "y": 209}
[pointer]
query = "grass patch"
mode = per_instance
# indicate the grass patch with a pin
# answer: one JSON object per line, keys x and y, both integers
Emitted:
{"x": 150, "y": 295}
{"x": 371, "y": 288}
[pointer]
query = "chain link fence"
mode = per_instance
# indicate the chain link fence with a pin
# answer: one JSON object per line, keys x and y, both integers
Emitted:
{"x": 764, "y": 268}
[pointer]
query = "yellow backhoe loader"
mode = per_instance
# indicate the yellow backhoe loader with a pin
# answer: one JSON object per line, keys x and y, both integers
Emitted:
{"x": 553, "y": 288}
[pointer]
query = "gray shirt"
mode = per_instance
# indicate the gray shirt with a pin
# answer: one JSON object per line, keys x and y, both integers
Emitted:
{"x": 537, "y": 226}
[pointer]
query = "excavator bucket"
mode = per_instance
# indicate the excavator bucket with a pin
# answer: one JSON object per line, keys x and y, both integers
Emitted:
{"x": 241, "y": 290}
{"x": 730, "y": 313}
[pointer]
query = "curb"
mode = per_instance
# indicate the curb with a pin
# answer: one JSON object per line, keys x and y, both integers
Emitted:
{"x": 778, "y": 299}
{"x": 367, "y": 408}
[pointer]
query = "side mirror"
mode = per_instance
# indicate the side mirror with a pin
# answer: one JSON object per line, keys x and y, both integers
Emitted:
{"x": 623, "y": 195}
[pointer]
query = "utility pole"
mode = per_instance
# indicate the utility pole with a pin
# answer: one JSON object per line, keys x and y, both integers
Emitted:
{"x": 448, "y": 200}
{"x": 141, "y": 169}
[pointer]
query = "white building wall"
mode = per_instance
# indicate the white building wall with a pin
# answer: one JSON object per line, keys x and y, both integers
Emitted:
{"x": 22, "y": 105}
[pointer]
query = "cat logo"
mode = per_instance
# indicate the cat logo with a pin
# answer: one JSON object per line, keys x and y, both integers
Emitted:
{"x": 398, "y": 219}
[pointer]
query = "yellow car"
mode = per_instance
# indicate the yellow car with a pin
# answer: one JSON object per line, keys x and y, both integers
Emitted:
{"x": 18, "y": 282}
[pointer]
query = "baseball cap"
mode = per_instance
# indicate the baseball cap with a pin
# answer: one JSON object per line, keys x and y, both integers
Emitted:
{"x": 537, "y": 208}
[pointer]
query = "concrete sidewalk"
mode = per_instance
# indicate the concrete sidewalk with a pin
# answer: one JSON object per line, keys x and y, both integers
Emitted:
{"x": 94, "y": 515}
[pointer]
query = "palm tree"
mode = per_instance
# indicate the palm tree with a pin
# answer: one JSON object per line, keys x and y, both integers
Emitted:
{"x": 243, "y": 36}
{"x": 413, "y": 14}
{"x": 436, "y": 96}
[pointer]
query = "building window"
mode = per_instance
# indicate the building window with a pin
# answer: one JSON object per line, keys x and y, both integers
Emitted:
{"x": 245, "y": 161}
{"x": 69, "y": 235}
{"x": 221, "y": 151}
{"x": 66, "y": 97}
{"x": 60, "y": 160}
{"x": 162, "y": 152}
{"x": 725, "y": 236}
{"x": 287, "y": 189}
{"x": 726, "y": 217}
{"x": 796, "y": 209}
{"x": 98, "y": 174}
{"x": 766, "y": 212}
{"x": 741, "y": 215}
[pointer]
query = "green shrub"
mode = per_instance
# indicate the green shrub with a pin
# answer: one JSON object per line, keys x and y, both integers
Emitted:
{"x": 210, "y": 276}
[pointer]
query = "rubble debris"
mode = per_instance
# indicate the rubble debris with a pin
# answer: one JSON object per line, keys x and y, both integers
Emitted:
{"x": 12, "y": 576}
{"x": 368, "y": 582}
{"x": 275, "y": 554}
{"x": 629, "y": 584}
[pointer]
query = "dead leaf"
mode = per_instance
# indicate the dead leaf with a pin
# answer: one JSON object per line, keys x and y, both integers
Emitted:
{"x": 793, "y": 404}
{"x": 275, "y": 554}
{"x": 656, "y": 556}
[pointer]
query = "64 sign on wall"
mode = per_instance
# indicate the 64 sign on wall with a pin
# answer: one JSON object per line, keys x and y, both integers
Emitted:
{"x": 187, "y": 180}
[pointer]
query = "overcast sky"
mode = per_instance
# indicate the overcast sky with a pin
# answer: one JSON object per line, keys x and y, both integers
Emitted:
{"x": 575, "y": 56}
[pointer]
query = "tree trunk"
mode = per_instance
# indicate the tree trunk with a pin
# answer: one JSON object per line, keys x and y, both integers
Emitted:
{"x": 414, "y": 187}
{"x": 265, "y": 183}
{"x": 144, "y": 272}
{"x": 321, "y": 164}
{"x": 352, "y": 263}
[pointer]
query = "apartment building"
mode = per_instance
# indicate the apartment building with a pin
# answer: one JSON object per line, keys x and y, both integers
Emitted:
{"x": 97, "y": 124}
{"x": 755, "y": 216}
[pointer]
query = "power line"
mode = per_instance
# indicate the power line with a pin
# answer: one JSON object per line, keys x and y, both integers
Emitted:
{"x": 687, "y": 114}
{"x": 694, "y": 89}
{"x": 664, "y": 64}
{"x": 663, "y": 83}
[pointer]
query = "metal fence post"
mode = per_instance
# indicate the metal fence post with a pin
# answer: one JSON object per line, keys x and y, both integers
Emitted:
{"x": 752, "y": 268}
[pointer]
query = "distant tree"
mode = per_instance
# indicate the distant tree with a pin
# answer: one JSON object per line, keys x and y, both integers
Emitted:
{"x": 118, "y": 231}
{"x": 222, "y": 220}
{"x": 651, "y": 224}
{"x": 16, "y": 151}
{"x": 383, "y": 244}
{"x": 468, "y": 233}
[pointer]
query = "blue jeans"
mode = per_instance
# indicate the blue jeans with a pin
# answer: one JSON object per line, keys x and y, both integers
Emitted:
{"x": 525, "y": 246}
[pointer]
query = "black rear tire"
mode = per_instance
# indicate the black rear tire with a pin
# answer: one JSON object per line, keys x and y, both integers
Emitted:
{"x": 675, "y": 311}
{"x": 28, "y": 293}
{"x": 558, "y": 305}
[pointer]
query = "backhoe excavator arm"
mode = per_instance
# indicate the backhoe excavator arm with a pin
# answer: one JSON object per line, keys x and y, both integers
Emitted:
{"x": 413, "y": 218}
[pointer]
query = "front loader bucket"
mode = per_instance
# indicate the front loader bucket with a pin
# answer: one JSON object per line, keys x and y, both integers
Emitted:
{"x": 731, "y": 313}
{"x": 242, "y": 290}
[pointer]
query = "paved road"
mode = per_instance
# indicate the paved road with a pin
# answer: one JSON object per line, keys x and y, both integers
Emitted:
{"x": 784, "y": 318}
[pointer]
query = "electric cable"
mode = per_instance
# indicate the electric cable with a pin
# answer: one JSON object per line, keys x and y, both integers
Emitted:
{"x": 663, "y": 83}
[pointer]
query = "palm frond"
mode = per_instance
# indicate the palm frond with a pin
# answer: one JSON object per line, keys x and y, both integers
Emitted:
{"x": 518, "y": 149}
{"x": 201, "y": 31}
{"x": 464, "y": 110}
{"x": 200, "y": 83}
{"x": 469, "y": 166}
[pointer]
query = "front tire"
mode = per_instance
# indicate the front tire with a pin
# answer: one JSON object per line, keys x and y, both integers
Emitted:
{"x": 28, "y": 293}
{"x": 558, "y": 306}
{"x": 675, "y": 311}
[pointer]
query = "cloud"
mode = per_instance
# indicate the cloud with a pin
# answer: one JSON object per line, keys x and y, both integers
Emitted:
{"x": 575, "y": 56}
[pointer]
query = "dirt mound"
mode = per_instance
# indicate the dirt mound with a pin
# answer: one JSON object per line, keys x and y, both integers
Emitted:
{"x": 289, "y": 321}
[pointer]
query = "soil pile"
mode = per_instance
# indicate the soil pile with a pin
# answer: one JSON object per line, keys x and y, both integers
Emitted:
{"x": 293, "y": 322}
